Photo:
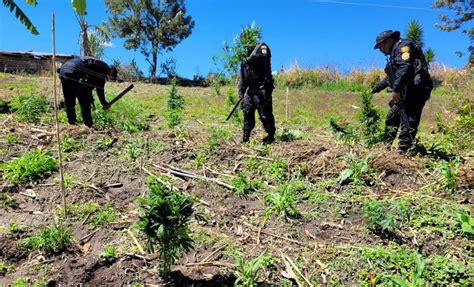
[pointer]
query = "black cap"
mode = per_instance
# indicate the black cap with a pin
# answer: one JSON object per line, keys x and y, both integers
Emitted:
{"x": 386, "y": 35}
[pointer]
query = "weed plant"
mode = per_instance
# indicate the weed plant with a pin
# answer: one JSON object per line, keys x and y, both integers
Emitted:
{"x": 124, "y": 115}
{"x": 248, "y": 273}
{"x": 289, "y": 135}
{"x": 33, "y": 166}
{"x": 7, "y": 201}
{"x": 466, "y": 222}
{"x": 343, "y": 132}
{"x": 52, "y": 240}
{"x": 281, "y": 202}
{"x": 449, "y": 172}
{"x": 103, "y": 216}
{"x": 29, "y": 108}
{"x": 175, "y": 106}
{"x": 277, "y": 171}
{"x": 11, "y": 138}
{"x": 164, "y": 221}
{"x": 109, "y": 254}
{"x": 14, "y": 227}
{"x": 5, "y": 268}
{"x": 243, "y": 185}
{"x": 357, "y": 173}
{"x": 369, "y": 118}
{"x": 217, "y": 135}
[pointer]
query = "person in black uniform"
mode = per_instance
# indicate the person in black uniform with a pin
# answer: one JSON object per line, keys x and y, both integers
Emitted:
{"x": 79, "y": 76}
{"x": 256, "y": 86}
{"x": 411, "y": 85}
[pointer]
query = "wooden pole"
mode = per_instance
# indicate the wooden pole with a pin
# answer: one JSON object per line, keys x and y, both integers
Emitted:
{"x": 286, "y": 105}
{"x": 58, "y": 140}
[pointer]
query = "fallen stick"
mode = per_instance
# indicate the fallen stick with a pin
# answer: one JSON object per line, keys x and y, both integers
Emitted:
{"x": 117, "y": 184}
{"x": 170, "y": 186}
{"x": 296, "y": 269}
{"x": 194, "y": 176}
{"x": 215, "y": 263}
{"x": 88, "y": 236}
{"x": 134, "y": 255}
{"x": 212, "y": 254}
{"x": 255, "y": 229}
{"x": 140, "y": 248}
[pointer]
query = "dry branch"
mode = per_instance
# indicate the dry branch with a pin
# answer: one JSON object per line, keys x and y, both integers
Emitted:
{"x": 194, "y": 176}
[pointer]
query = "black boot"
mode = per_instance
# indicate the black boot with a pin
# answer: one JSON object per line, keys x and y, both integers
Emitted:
{"x": 268, "y": 139}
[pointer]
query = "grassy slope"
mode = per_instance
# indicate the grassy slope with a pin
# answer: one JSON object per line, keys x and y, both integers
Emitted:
{"x": 334, "y": 245}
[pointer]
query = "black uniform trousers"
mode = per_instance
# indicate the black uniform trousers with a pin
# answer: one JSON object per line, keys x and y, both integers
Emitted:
{"x": 406, "y": 116}
{"x": 260, "y": 100}
{"x": 72, "y": 89}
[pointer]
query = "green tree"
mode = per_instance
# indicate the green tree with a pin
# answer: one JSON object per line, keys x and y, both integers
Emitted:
{"x": 415, "y": 33}
{"x": 95, "y": 44}
{"x": 20, "y": 15}
{"x": 150, "y": 26}
{"x": 462, "y": 15}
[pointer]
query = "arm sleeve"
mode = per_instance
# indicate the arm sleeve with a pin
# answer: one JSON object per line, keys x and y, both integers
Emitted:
{"x": 242, "y": 84}
{"x": 404, "y": 72}
{"x": 381, "y": 85}
{"x": 100, "y": 92}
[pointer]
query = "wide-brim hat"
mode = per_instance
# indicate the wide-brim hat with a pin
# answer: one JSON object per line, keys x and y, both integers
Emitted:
{"x": 386, "y": 35}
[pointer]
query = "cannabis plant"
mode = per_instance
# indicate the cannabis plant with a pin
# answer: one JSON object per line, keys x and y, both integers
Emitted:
{"x": 164, "y": 220}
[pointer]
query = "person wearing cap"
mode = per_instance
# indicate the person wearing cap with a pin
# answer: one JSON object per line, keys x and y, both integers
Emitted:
{"x": 79, "y": 76}
{"x": 410, "y": 84}
{"x": 256, "y": 87}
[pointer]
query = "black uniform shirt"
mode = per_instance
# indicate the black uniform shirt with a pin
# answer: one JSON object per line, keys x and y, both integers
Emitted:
{"x": 90, "y": 71}
{"x": 255, "y": 70}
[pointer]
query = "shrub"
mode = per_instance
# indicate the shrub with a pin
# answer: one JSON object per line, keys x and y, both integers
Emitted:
{"x": 52, "y": 240}
{"x": 109, "y": 254}
{"x": 248, "y": 272}
{"x": 164, "y": 220}
{"x": 32, "y": 166}
{"x": 243, "y": 185}
{"x": 29, "y": 108}
{"x": 281, "y": 202}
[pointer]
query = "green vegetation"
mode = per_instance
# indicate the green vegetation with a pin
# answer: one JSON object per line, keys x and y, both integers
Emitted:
{"x": 7, "y": 201}
{"x": 281, "y": 202}
{"x": 248, "y": 272}
{"x": 109, "y": 254}
{"x": 33, "y": 166}
{"x": 104, "y": 215}
{"x": 357, "y": 173}
{"x": 164, "y": 221}
{"x": 29, "y": 108}
{"x": 243, "y": 185}
{"x": 52, "y": 240}
{"x": 175, "y": 106}
{"x": 5, "y": 268}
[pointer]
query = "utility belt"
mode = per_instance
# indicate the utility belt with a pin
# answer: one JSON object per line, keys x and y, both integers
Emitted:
{"x": 261, "y": 85}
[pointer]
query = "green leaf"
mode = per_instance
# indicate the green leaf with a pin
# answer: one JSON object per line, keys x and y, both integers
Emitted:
{"x": 32, "y": 2}
{"x": 467, "y": 228}
{"x": 345, "y": 175}
{"x": 79, "y": 6}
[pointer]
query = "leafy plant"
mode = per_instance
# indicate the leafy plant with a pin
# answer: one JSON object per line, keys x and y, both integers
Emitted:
{"x": 289, "y": 135}
{"x": 281, "y": 202}
{"x": 32, "y": 166}
{"x": 369, "y": 118}
{"x": 218, "y": 134}
{"x": 14, "y": 227}
{"x": 105, "y": 143}
{"x": 5, "y": 268}
{"x": 164, "y": 220}
{"x": 243, "y": 185}
{"x": 103, "y": 216}
{"x": 277, "y": 171}
{"x": 109, "y": 254}
{"x": 29, "y": 108}
{"x": 52, "y": 240}
{"x": 466, "y": 222}
{"x": 449, "y": 172}
{"x": 11, "y": 138}
{"x": 357, "y": 171}
{"x": 376, "y": 218}
{"x": 248, "y": 272}
{"x": 416, "y": 279}
{"x": 175, "y": 106}
{"x": 343, "y": 132}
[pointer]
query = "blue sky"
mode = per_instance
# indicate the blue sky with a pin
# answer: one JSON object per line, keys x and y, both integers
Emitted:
{"x": 311, "y": 33}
